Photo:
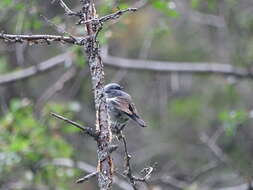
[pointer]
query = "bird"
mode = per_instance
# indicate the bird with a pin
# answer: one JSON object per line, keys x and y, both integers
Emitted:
{"x": 120, "y": 107}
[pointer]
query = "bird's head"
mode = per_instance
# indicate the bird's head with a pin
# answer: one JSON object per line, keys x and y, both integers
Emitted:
{"x": 112, "y": 86}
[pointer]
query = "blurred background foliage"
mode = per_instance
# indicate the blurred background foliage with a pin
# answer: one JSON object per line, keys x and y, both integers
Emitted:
{"x": 178, "y": 107}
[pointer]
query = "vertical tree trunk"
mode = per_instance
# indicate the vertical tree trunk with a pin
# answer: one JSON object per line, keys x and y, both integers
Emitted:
{"x": 97, "y": 76}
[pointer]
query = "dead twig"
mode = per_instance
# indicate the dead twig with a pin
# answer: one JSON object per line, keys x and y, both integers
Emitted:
{"x": 58, "y": 28}
{"x": 128, "y": 170}
{"x": 68, "y": 11}
{"x": 88, "y": 130}
{"x": 42, "y": 38}
{"x": 106, "y": 18}
{"x": 116, "y": 15}
{"x": 87, "y": 177}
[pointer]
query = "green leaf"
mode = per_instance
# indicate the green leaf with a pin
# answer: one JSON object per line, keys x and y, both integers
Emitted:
{"x": 29, "y": 141}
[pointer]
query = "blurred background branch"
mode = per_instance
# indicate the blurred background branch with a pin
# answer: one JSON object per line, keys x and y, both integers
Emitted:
{"x": 37, "y": 69}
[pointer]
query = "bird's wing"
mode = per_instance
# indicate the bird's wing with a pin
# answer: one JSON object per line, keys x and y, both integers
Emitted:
{"x": 124, "y": 104}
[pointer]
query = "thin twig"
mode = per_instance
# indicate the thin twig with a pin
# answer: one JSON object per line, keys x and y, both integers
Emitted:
{"x": 128, "y": 170}
{"x": 87, "y": 177}
{"x": 67, "y": 10}
{"x": 88, "y": 130}
{"x": 106, "y": 18}
{"x": 116, "y": 14}
{"x": 59, "y": 29}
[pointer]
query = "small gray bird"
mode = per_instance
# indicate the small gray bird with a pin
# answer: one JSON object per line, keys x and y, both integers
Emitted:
{"x": 120, "y": 107}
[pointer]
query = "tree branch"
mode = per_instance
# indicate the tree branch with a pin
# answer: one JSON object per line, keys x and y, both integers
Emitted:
{"x": 181, "y": 67}
{"x": 68, "y": 11}
{"x": 105, "y": 166}
{"x": 116, "y": 14}
{"x": 88, "y": 130}
{"x": 209, "y": 68}
{"x": 34, "y": 70}
{"x": 107, "y": 18}
{"x": 40, "y": 39}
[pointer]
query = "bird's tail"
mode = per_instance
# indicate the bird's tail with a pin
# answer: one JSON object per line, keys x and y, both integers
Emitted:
{"x": 138, "y": 120}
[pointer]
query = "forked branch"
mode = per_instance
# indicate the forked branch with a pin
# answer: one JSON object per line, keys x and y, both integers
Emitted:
{"x": 128, "y": 169}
